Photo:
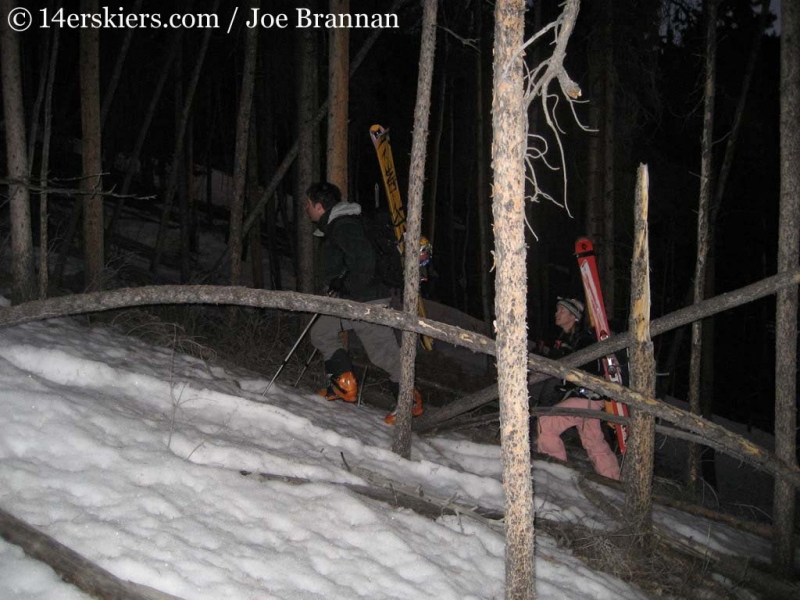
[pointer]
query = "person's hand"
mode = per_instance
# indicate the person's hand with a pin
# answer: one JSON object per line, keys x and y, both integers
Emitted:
{"x": 336, "y": 287}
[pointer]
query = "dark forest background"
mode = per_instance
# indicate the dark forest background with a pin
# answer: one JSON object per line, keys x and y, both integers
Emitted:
{"x": 658, "y": 50}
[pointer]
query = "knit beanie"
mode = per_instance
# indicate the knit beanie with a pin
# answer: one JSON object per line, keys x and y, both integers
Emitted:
{"x": 573, "y": 306}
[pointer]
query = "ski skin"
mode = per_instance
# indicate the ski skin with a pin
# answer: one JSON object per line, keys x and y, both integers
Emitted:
{"x": 587, "y": 264}
{"x": 380, "y": 139}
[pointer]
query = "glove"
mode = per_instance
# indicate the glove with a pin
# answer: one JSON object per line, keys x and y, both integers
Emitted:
{"x": 336, "y": 286}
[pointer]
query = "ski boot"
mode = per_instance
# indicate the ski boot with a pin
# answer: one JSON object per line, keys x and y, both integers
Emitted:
{"x": 342, "y": 383}
{"x": 416, "y": 409}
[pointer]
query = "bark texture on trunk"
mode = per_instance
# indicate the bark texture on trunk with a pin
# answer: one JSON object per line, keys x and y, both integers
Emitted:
{"x": 240, "y": 154}
{"x": 641, "y": 443}
{"x": 305, "y": 159}
{"x": 509, "y": 146}
{"x": 786, "y": 309}
{"x": 24, "y": 283}
{"x": 92, "y": 181}
{"x": 401, "y": 444}
{"x": 706, "y": 190}
{"x": 339, "y": 95}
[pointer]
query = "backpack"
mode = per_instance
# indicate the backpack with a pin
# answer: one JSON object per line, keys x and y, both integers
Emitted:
{"x": 388, "y": 260}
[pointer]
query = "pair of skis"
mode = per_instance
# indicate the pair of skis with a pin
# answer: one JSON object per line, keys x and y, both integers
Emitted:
{"x": 380, "y": 139}
{"x": 584, "y": 251}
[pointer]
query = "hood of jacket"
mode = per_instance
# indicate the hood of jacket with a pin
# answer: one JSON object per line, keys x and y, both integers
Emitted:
{"x": 342, "y": 209}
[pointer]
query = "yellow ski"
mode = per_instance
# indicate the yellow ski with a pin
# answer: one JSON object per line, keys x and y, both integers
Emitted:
{"x": 380, "y": 139}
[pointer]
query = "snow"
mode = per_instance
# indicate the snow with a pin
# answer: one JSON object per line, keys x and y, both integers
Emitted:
{"x": 133, "y": 456}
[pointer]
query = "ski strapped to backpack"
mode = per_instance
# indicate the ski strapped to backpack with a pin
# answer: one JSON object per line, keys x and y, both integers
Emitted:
{"x": 584, "y": 251}
{"x": 380, "y": 139}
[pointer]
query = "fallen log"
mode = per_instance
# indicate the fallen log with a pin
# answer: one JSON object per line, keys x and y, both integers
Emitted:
{"x": 71, "y": 566}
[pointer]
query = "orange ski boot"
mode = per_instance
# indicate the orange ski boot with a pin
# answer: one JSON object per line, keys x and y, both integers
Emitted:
{"x": 343, "y": 387}
{"x": 416, "y": 410}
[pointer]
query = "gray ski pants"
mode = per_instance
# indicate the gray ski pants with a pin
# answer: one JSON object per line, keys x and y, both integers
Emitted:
{"x": 379, "y": 341}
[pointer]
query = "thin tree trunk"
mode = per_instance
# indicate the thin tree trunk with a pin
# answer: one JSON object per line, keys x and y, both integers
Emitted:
{"x": 92, "y": 181}
{"x": 641, "y": 443}
{"x": 266, "y": 153}
{"x": 117, "y": 73}
{"x": 338, "y": 93}
{"x": 240, "y": 153}
{"x": 305, "y": 163}
{"x": 594, "y": 179}
{"x": 609, "y": 89}
{"x": 133, "y": 159}
{"x": 482, "y": 176}
{"x": 435, "y": 158}
{"x": 730, "y": 146}
{"x": 706, "y": 187}
{"x": 508, "y": 154}
{"x": 24, "y": 282}
{"x": 169, "y": 194}
{"x": 455, "y": 283}
{"x": 37, "y": 104}
{"x": 787, "y": 303}
{"x": 187, "y": 206}
{"x": 256, "y": 250}
{"x": 181, "y": 185}
{"x": 44, "y": 242}
{"x": 401, "y": 443}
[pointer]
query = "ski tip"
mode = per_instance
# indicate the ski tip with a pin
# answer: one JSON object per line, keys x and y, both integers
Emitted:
{"x": 583, "y": 246}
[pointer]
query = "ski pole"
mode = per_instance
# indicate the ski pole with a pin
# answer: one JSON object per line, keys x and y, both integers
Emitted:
{"x": 288, "y": 356}
{"x": 305, "y": 367}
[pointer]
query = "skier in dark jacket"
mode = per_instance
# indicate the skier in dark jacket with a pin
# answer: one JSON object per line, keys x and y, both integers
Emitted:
{"x": 348, "y": 269}
{"x": 569, "y": 314}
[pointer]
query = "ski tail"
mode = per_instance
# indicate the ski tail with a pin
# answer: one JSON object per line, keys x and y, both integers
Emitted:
{"x": 380, "y": 139}
{"x": 587, "y": 264}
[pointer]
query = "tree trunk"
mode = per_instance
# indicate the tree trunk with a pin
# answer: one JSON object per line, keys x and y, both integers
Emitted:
{"x": 450, "y": 203}
{"x": 641, "y": 443}
{"x": 265, "y": 151}
{"x": 786, "y": 309}
{"x": 169, "y": 194}
{"x": 435, "y": 158}
{"x": 594, "y": 180}
{"x": 92, "y": 181}
{"x": 117, "y": 73}
{"x": 256, "y": 250}
{"x": 72, "y": 567}
{"x": 187, "y": 206}
{"x": 307, "y": 56}
{"x": 24, "y": 282}
{"x": 482, "y": 176}
{"x": 33, "y": 130}
{"x": 133, "y": 159}
{"x": 339, "y": 96}
{"x": 240, "y": 152}
{"x": 706, "y": 187}
{"x": 609, "y": 89}
{"x": 508, "y": 155}
{"x": 44, "y": 269}
{"x": 401, "y": 444}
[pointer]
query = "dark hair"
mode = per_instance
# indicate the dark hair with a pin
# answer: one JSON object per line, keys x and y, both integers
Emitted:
{"x": 324, "y": 193}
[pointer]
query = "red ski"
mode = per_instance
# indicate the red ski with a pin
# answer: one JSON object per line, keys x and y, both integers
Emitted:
{"x": 584, "y": 251}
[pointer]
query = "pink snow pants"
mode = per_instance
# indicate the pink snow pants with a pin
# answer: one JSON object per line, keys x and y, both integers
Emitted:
{"x": 591, "y": 434}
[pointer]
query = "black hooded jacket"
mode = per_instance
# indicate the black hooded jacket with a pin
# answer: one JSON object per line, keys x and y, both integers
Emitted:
{"x": 348, "y": 253}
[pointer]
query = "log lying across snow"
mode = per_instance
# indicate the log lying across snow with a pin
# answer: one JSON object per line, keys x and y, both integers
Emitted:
{"x": 71, "y": 566}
